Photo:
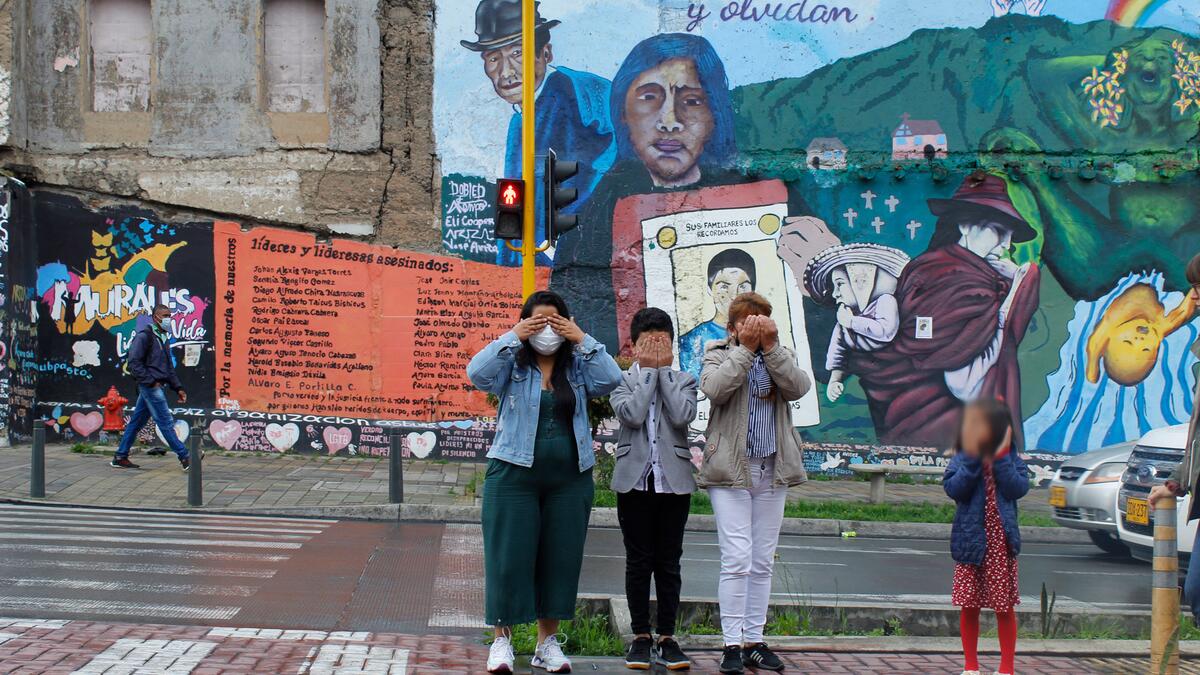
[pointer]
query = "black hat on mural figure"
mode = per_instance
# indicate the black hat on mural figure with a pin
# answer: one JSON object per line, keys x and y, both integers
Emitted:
{"x": 986, "y": 195}
{"x": 498, "y": 24}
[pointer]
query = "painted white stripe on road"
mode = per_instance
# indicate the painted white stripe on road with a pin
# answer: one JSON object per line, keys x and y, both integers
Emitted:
{"x": 182, "y": 529}
{"x": 135, "y": 568}
{"x": 138, "y": 523}
{"x": 164, "y": 515}
{"x": 346, "y": 659}
{"x": 458, "y": 587}
{"x": 117, "y": 552}
{"x": 893, "y": 550}
{"x": 126, "y": 587}
{"x": 116, "y": 608}
{"x": 11, "y": 536}
{"x": 717, "y": 560}
{"x": 143, "y": 657}
{"x": 287, "y": 635}
{"x": 52, "y": 624}
{"x": 5, "y": 637}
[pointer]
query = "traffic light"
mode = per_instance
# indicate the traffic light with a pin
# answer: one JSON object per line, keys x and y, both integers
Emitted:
{"x": 558, "y": 197}
{"x": 510, "y": 208}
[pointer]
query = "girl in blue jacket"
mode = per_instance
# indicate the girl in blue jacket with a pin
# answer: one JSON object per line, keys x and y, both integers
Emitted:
{"x": 985, "y": 478}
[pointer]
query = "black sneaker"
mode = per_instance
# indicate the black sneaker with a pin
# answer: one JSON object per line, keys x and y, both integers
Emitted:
{"x": 731, "y": 660}
{"x": 184, "y": 463}
{"x": 671, "y": 655}
{"x": 638, "y": 656}
{"x": 759, "y": 657}
{"x": 123, "y": 463}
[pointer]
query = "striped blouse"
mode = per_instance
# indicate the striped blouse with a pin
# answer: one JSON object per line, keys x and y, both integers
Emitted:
{"x": 760, "y": 436}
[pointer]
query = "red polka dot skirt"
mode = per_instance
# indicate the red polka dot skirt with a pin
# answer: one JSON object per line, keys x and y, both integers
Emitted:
{"x": 994, "y": 583}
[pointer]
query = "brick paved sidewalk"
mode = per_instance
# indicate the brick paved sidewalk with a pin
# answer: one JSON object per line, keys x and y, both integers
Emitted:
{"x": 261, "y": 481}
{"x": 53, "y": 647}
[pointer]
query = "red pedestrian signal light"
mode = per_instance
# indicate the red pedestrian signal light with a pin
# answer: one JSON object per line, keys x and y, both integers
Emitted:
{"x": 510, "y": 208}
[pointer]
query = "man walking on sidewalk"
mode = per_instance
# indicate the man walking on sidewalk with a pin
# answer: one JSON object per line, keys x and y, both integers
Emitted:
{"x": 150, "y": 363}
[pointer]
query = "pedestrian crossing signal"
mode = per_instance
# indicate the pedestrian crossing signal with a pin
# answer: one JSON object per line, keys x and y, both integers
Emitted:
{"x": 510, "y": 208}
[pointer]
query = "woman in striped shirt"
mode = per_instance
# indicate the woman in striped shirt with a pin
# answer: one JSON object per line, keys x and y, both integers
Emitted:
{"x": 751, "y": 457}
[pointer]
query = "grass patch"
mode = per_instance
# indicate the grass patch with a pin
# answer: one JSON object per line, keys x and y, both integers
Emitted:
{"x": 85, "y": 449}
{"x": 585, "y": 636}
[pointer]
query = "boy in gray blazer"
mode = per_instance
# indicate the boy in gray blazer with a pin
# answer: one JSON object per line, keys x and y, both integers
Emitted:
{"x": 654, "y": 481}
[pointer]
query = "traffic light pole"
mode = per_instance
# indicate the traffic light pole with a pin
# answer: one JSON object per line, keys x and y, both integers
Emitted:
{"x": 528, "y": 57}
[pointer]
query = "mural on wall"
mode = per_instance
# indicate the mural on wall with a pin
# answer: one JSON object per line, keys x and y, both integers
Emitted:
{"x": 99, "y": 275}
{"x": 863, "y": 179}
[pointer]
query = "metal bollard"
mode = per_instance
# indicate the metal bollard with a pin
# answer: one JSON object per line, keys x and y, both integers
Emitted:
{"x": 395, "y": 471}
{"x": 195, "y": 471}
{"x": 37, "y": 463}
{"x": 1164, "y": 618}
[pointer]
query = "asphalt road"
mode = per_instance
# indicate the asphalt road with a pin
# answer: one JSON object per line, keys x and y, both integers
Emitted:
{"x": 217, "y": 570}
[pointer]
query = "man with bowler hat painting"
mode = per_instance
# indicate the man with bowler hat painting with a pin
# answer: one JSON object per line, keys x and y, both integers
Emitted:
{"x": 964, "y": 307}
{"x": 571, "y": 107}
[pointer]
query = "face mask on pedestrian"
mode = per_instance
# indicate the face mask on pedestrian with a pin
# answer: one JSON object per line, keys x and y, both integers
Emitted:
{"x": 162, "y": 323}
{"x": 545, "y": 341}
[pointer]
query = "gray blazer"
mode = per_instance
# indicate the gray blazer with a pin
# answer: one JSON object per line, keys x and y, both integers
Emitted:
{"x": 675, "y": 411}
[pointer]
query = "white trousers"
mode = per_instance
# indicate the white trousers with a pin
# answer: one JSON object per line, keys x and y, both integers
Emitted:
{"x": 748, "y": 523}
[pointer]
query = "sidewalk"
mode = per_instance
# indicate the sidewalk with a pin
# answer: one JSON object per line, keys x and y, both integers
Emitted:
{"x": 55, "y": 646}
{"x": 236, "y": 480}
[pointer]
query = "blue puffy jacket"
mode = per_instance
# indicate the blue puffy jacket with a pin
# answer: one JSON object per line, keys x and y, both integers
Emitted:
{"x": 963, "y": 482}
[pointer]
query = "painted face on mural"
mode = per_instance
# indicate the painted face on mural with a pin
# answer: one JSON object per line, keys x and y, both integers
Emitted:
{"x": 503, "y": 67}
{"x": 669, "y": 121}
{"x": 841, "y": 292}
{"x": 989, "y": 240}
{"x": 1148, "y": 78}
{"x": 727, "y": 285}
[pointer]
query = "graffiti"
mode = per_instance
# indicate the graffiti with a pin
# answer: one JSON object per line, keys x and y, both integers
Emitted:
{"x": 755, "y": 11}
{"x": 467, "y": 220}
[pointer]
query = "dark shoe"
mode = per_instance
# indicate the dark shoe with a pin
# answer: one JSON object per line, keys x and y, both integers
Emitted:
{"x": 731, "y": 660}
{"x": 156, "y": 452}
{"x": 123, "y": 463}
{"x": 638, "y": 656}
{"x": 759, "y": 657}
{"x": 184, "y": 463}
{"x": 672, "y": 656}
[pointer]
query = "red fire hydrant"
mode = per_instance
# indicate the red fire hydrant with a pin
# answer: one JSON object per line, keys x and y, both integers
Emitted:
{"x": 114, "y": 410}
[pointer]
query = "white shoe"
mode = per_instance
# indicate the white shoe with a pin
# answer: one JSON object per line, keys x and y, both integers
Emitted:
{"x": 500, "y": 657}
{"x": 549, "y": 656}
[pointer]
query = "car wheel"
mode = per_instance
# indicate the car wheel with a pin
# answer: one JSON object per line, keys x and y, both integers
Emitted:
{"x": 1108, "y": 543}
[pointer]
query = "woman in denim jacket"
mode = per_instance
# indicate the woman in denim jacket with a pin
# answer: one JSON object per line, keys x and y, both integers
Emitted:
{"x": 537, "y": 496}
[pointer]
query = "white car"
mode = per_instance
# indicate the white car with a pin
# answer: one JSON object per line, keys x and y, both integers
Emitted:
{"x": 1084, "y": 491}
{"x": 1153, "y": 459}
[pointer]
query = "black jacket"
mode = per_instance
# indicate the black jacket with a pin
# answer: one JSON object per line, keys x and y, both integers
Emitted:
{"x": 149, "y": 362}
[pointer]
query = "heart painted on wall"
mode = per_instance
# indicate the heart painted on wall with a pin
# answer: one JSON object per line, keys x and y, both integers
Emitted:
{"x": 283, "y": 436}
{"x": 86, "y": 424}
{"x": 181, "y": 432}
{"x": 225, "y": 434}
{"x": 336, "y": 438}
{"x": 420, "y": 445}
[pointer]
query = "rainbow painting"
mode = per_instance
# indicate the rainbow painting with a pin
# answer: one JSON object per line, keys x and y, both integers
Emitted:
{"x": 1131, "y": 12}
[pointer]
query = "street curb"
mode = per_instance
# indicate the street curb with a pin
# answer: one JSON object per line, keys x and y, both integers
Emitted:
{"x": 602, "y": 517}
{"x": 927, "y": 645}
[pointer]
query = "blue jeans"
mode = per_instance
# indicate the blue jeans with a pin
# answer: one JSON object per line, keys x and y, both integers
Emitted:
{"x": 151, "y": 403}
{"x": 1191, "y": 585}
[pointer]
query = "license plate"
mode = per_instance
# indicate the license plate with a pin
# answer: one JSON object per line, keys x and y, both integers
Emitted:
{"x": 1058, "y": 496}
{"x": 1137, "y": 511}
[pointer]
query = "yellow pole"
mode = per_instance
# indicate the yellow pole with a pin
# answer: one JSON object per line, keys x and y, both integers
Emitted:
{"x": 528, "y": 245}
{"x": 1164, "y": 617}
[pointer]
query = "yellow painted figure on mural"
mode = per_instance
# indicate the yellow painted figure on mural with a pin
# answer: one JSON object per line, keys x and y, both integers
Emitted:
{"x": 1129, "y": 335}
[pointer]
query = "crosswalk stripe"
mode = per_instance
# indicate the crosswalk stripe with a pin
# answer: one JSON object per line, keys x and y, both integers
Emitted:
{"x": 136, "y": 568}
{"x": 141, "y": 552}
{"x": 122, "y": 586}
{"x": 458, "y": 588}
{"x": 129, "y": 655}
{"x": 152, "y": 540}
{"x": 88, "y": 527}
{"x": 313, "y": 522}
{"x": 116, "y": 608}
{"x": 29, "y": 520}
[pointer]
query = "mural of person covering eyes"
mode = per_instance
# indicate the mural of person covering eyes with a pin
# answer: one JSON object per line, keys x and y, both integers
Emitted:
{"x": 672, "y": 212}
{"x": 964, "y": 308}
{"x": 571, "y": 106}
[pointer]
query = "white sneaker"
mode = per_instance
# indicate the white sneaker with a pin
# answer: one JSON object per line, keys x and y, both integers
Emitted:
{"x": 500, "y": 657}
{"x": 549, "y": 656}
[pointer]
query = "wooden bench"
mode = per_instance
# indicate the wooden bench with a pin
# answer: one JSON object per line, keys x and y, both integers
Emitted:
{"x": 879, "y": 474}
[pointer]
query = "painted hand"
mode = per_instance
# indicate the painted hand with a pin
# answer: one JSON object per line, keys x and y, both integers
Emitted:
{"x": 566, "y": 328}
{"x": 1004, "y": 267}
{"x": 835, "y": 391}
{"x": 1034, "y": 7}
{"x": 527, "y": 327}
{"x": 1001, "y": 7}
{"x": 801, "y": 239}
{"x": 844, "y": 315}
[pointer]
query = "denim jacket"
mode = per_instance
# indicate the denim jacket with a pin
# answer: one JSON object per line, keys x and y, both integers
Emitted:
{"x": 494, "y": 370}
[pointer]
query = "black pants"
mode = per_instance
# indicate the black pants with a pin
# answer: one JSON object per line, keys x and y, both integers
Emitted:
{"x": 652, "y": 525}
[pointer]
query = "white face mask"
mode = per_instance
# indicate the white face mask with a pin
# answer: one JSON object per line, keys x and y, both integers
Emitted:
{"x": 546, "y": 341}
